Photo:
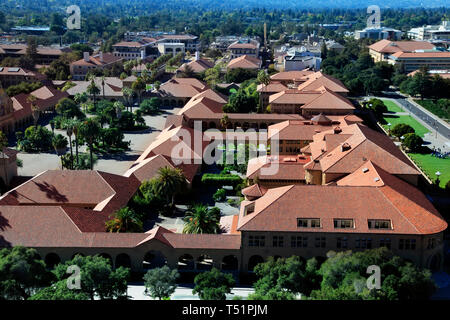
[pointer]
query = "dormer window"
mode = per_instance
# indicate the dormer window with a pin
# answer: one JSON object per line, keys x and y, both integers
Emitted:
{"x": 379, "y": 224}
{"x": 343, "y": 223}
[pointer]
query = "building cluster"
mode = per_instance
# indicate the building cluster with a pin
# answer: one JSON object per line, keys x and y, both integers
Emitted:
{"x": 338, "y": 185}
{"x": 410, "y": 55}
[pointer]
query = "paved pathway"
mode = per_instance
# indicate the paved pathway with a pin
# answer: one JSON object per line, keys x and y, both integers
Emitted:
{"x": 118, "y": 164}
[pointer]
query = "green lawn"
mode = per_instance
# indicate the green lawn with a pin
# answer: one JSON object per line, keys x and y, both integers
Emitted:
{"x": 392, "y": 106}
{"x": 393, "y": 120}
{"x": 430, "y": 165}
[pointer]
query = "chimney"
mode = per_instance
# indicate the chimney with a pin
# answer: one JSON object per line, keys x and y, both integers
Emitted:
{"x": 101, "y": 56}
{"x": 86, "y": 56}
{"x": 197, "y": 55}
{"x": 345, "y": 146}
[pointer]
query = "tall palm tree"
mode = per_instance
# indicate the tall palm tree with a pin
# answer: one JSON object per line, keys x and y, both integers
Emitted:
{"x": 75, "y": 133}
{"x": 103, "y": 86}
{"x": 127, "y": 96}
{"x": 90, "y": 129}
{"x": 138, "y": 87}
{"x": 35, "y": 112}
{"x": 70, "y": 124}
{"x": 200, "y": 219}
{"x": 93, "y": 90}
{"x": 264, "y": 79}
{"x": 169, "y": 183}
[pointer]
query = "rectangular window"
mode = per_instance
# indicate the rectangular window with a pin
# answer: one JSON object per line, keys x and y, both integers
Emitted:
{"x": 320, "y": 242}
{"x": 379, "y": 224}
{"x": 278, "y": 241}
{"x": 343, "y": 223}
{"x": 385, "y": 243}
{"x": 407, "y": 244}
{"x": 302, "y": 223}
{"x": 299, "y": 242}
{"x": 315, "y": 223}
{"x": 342, "y": 243}
{"x": 256, "y": 241}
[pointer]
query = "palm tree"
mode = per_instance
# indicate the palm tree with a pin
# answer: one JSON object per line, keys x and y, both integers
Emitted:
{"x": 225, "y": 121}
{"x": 90, "y": 129}
{"x": 75, "y": 133}
{"x": 125, "y": 220}
{"x": 70, "y": 124}
{"x": 103, "y": 86}
{"x": 169, "y": 183}
{"x": 138, "y": 86}
{"x": 127, "y": 96}
{"x": 200, "y": 219}
{"x": 81, "y": 99}
{"x": 59, "y": 142}
{"x": 93, "y": 90}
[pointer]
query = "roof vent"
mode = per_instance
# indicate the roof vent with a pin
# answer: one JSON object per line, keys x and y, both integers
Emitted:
{"x": 365, "y": 170}
{"x": 376, "y": 179}
{"x": 345, "y": 146}
{"x": 337, "y": 129}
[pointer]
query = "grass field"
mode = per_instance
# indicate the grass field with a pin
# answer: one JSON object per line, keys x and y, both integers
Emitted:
{"x": 393, "y": 120}
{"x": 430, "y": 165}
{"x": 392, "y": 106}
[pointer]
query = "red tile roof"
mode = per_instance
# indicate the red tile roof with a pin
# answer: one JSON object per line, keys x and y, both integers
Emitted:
{"x": 387, "y": 46}
{"x": 244, "y": 62}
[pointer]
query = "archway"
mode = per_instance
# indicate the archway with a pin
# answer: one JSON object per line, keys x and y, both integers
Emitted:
{"x": 186, "y": 262}
{"x": 107, "y": 256}
{"x": 123, "y": 260}
{"x": 253, "y": 261}
{"x": 230, "y": 263}
{"x": 77, "y": 254}
{"x": 263, "y": 126}
{"x": 204, "y": 262}
{"x": 212, "y": 125}
{"x": 51, "y": 260}
{"x": 154, "y": 259}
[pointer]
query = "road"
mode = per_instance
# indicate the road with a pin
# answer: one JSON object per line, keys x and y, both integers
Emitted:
{"x": 183, "y": 292}
{"x": 436, "y": 125}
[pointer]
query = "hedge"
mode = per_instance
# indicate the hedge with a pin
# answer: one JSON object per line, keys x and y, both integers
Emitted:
{"x": 221, "y": 179}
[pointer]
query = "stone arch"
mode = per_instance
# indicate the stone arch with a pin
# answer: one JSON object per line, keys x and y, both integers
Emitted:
{"x": 212, "y": 125}
{"x": 263, "y": 126}
{"x": 229, "y": 125}
{"x": 51, "y": 260}
{"x": 186, "y": 262}
{"x": 107, "y": 256}
{"x": 154, "y": 259}
{"x": 230, "y": 263}
{"x": 245, "y": 125}
{"x": 123, "y": 260}
{"x": 204, "y": 262}
{"x": 253, "y": 261}
{"x": 236, "y": 125}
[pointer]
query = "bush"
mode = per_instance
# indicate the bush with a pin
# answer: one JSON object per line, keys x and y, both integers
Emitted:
{"x": 220, "y": 195}
{"x": 221, "y": 179}
{"x": 150, "y": 106}
{"x": 36, "y": 139}
{"x": 377, "y": 106}
{"x": 412, "y": 141}
{"x": 401, "y": 129}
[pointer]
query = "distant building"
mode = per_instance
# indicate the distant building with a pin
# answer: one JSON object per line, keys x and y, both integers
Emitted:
{"x": 247, "y": 47}
{"x": 300, "y": 59}
{"x": 431, "y": 32}
{"x": 378, "y": 33}
{"x": 410, "y": 55}
{"x": 171, "y": 48}
{"x": 79, "y": 69}
{"x": 10, "y": 76}
{"x": 244, "y": 62}
{"x": 45, "y": 54}
{"x": 189, "y": 41}
{"x": 334, "y": 46}
{"x": 131, "y": 50}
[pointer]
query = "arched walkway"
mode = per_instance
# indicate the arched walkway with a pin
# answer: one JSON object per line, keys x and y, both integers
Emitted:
{"x": 51, "y": 260}
{"x": 107, "y": 256}
{"x": 154, "y": 259}
{"x": 253, "y": 261}
{"x": 186, "y": 262}
{"x": 123, "y": 260}
{"x": 204, "y": 262}
{"x": 230, "y": 263}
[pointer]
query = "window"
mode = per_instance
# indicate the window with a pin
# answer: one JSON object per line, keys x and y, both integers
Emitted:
{"x": 407, "y": 244}
{"x": 299, "y": 242}
{"x": 320, "y": 242}
{"x": 308, "y": 223}
{"x": 363, "y": 243}
{"x": 302, "y": 223}
{"x": 385, "y": 243}
{"x": 256, "y": 241}
{"x": 343, "y": 223}
{"x": 379, "y": 224}
{"x": 315, "y": 223}
{"x": 342, "y": 243}
{"x": 278, "y": 241}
